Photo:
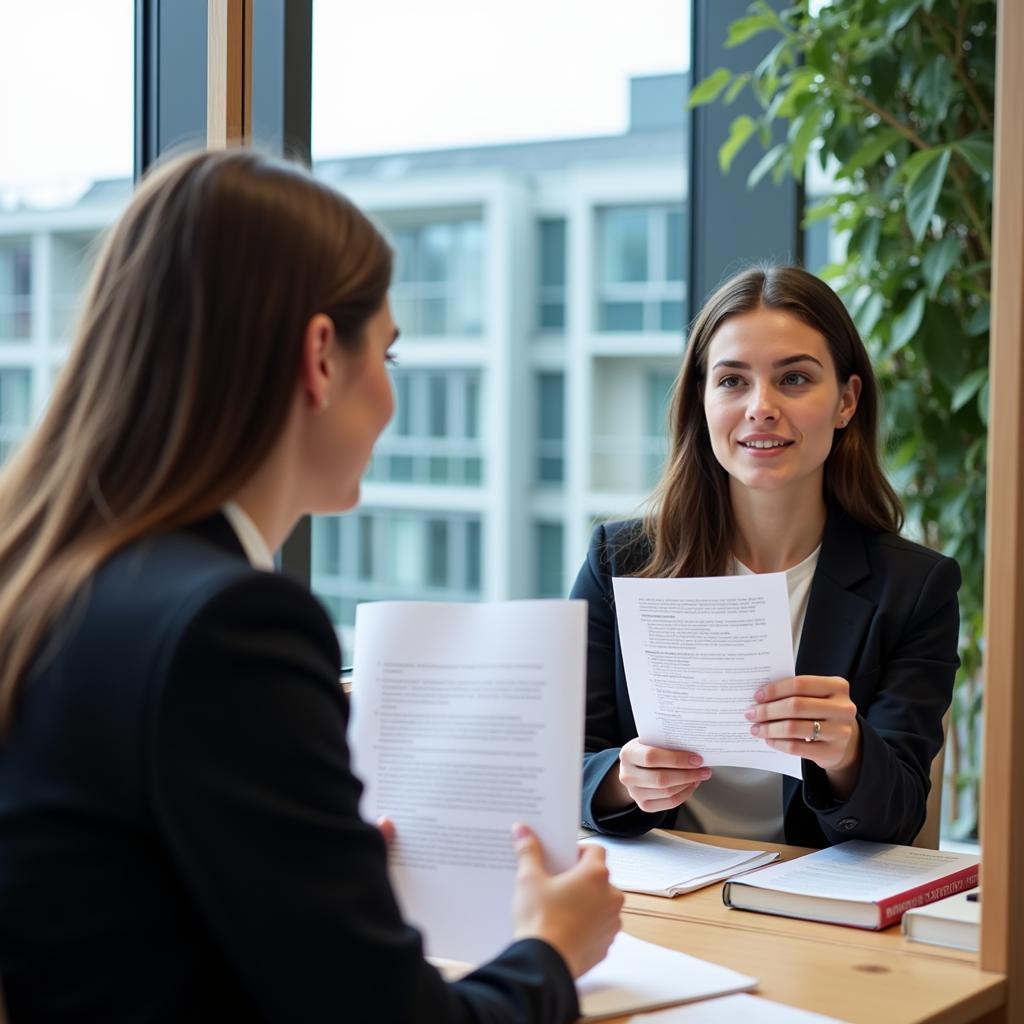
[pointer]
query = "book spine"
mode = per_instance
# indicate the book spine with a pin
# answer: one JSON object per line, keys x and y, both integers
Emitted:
{"x": 892, "y": 909}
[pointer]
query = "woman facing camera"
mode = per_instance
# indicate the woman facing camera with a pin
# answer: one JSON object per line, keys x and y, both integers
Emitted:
{"x": 179, "y": 828}
{"x": 773, "y": 467}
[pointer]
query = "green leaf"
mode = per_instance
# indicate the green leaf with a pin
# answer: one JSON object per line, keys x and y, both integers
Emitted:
{"x": 983, "y": 403}
{"x": 765, "y": 164}
{"x": 923, "y": 194}
{"x": 746, "y": 28}
{"x": 906, "y": 325}
{"x": 871, "y": 152}
{"x": 901, "y": 14}
{"x": 977, "y": 151}
{"x": 979, "y": 321}
{"x": 916, "y": 164}
{"x": 863, "y": 241}
{"x": 870, "y": 314}
{"x": 708, "y": 90}
{"x": 820, "y": 211}
{"x": 934, "y": 88}
{"x": 736, "y": 87}
{"x": 739, "y": 131}
{"x": 938, "y": 261}
{"x": 804, "y": 130}
{"x": 968, "y": 388}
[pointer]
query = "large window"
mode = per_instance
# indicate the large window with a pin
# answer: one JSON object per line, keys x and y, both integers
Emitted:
{"x": 642, "y": 287}
{"x": 15, "y": 289}
{"x": 552, "y": 271}
{"x": 390, "y": 554}
{"x": 434, "y": 437}
{"x": 15, "y": 407}
{"x": 438, "y": 278}
{"x": 499, "y": 191}
{"x": 66, "y": 122}
{"x": 550, "y": 428}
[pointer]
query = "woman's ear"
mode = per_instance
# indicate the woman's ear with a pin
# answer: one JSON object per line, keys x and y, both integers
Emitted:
{"x": 849, "y": 396}
{"x": 317, "y": 368}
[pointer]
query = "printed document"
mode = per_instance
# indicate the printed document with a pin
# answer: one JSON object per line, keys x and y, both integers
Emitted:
{"x": 467, "y": 718}
{"x": 666, "y": 865}
{"x": 695, "y": 652}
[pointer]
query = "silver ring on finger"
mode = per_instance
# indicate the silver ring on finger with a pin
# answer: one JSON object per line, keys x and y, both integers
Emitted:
{"x": 815, "y": 732}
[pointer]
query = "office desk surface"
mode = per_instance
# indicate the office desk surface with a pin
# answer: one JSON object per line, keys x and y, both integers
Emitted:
{"x": 854, "y": 975}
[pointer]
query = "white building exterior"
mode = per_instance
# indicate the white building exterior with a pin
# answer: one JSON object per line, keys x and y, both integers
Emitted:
{"x": 541, "y": 294}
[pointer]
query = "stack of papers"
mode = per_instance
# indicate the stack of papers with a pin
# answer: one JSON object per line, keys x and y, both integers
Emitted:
{"x": 667, "y": 865}
{"x": 637, "y": 976}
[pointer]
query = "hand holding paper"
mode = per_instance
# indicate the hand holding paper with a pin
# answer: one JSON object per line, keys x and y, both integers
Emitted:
{"x": 695, "y": 652}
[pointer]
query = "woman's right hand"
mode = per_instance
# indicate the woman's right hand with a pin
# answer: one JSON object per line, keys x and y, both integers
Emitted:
{"x": 653, "y": 778}
{"x": 576, "y": 912}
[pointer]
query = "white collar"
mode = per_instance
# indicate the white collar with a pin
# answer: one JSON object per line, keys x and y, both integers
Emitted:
{"x": 249, "y": 536}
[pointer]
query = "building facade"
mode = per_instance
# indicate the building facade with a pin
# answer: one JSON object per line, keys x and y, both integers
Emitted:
{"x": 541, "y": 291}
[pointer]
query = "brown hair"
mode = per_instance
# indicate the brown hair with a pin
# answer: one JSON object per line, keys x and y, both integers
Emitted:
{"x": 690, "y": 525}
{"x": 181, "y": 375}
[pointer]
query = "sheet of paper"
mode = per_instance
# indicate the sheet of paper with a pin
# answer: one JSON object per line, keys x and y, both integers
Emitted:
{"x": 749, "y": 1009}
{"x": 859, "y": 870}
{"x": 638, "y": 975}
{"x": 465, "y": 719}
{"x": 695, "y": 651}
{"x": 660, "y": 863}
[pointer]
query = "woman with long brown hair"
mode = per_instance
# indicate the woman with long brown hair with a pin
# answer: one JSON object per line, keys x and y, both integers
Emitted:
{"x": 773, "y": 467}
{"x": 179, "y": 826}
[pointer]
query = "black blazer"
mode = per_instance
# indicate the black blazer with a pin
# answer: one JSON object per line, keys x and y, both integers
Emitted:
{"x": 882, "y": 613}
{"x": 179, "y": 828}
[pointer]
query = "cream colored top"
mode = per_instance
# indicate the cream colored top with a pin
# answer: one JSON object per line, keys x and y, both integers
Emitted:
{"x": 249, "y": 536}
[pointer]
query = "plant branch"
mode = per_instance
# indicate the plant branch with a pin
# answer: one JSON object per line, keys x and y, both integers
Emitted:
{"x": 955, "y": 58}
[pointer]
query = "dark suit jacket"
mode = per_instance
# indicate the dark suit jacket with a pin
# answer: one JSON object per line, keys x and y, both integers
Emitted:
{"x": 882, "y": 613}
{"x": 179, "y": 828}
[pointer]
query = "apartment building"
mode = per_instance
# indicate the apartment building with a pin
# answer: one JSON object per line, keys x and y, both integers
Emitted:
{"x": 541, "y": 291}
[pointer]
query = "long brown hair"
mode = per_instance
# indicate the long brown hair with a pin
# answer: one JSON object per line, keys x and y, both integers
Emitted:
{"x": 690, "y": 526}
{"x": 181, "y": 375}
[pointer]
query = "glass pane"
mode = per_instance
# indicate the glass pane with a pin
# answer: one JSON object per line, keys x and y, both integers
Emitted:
{"x": 671, "y": 316}
{"x": 327, "y": 546}
{"x": 67, "y": 137}
{"x": 552, "y": 316}
{"x": 549, "y": 559}
{"x": 623, "y": 242}
{"x": 475, "y": 172}
{"x": 472, "y": 424}
{"x": 552, "y": 252}
{"x": 621, "y": 316}
{"x": 438, "y": 405}
{"x": 551, "y": 400}
{"x": 366, "y": 561}
{"x": 15, "y": 289}
{"x": 675, "y": 243}
{"x": 473, "y": 547}
{"x": 437, "y": 553}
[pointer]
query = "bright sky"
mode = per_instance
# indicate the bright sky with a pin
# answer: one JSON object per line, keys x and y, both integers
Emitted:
{"x": 387, "y": 75}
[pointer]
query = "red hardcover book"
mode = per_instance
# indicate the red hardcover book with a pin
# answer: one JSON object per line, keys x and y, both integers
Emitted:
{"x": 857, "y": 884}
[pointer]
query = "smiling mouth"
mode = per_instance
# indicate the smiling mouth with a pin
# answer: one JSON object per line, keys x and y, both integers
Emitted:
{"x": 762, "y": 445}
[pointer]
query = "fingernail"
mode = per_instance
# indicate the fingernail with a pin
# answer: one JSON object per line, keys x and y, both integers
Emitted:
{"x": 519, "y": 831}
{"x": 706, "y": 773}
{"x": 696, "y": 760}
{"x": 759, "y": 695}
{"x": 754, "y": 730}
{"x": 750, "y": 713}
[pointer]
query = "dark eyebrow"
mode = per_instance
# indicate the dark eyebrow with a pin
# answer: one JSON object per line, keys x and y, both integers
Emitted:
{"x": 735, "y": 364}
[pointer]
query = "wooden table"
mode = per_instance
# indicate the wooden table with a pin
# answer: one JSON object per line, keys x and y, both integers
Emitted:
{"x": 854, "y": 975}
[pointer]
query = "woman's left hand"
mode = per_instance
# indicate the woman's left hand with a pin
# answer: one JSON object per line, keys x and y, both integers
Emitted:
{"x": 811, "y": 717}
